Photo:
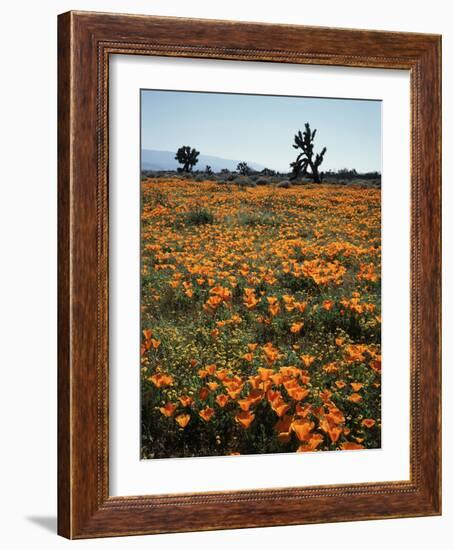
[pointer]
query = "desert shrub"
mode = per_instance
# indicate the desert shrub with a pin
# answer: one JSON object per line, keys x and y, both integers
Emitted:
{"x": 252, "y": 218}
{"x": 245, "y": 181}
{"x": 199, "y": 178}
{"x": 199, "y": 216}
{"x": 262, "y": 181}
{"x": 285, "y": 184}
{"x": 157, "y": 197}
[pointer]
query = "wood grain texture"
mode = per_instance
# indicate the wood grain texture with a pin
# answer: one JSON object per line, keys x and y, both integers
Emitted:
{"x": 85, "y": 42}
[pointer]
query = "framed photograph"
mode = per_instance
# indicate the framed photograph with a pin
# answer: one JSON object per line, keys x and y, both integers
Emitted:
{"x": 249, "y": 275}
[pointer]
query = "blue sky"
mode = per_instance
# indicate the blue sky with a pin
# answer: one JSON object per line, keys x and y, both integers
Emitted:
{"x": 260, "y": 128}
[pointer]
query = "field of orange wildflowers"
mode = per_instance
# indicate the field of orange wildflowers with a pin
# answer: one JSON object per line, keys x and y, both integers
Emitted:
{"x": 260, "y": 318}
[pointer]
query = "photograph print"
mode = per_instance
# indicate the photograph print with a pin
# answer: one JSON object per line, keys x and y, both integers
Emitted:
{"x": 260, "y": 274}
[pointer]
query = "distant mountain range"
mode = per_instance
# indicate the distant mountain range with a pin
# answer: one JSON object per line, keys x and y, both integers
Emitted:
{"x": 165, "y": 160}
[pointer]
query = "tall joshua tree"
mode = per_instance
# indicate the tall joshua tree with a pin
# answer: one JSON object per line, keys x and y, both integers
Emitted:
{"x": 243, "y": 168}
{"x": 188, "y": 157}
{"x": 304, "y": 160}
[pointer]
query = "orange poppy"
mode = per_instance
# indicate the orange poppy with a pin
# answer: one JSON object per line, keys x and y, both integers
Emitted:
{"x": 210, "y": 369}
{"x": 271, "y": 353}
{"x": 302, "y": 428}
{"x": 331, "y": 429}
{"x": 168, "y": 409}
{"x": 290, "y": 371}
{"x": 330, "y": 368}
{"x": 245, "y": 418}
{"x": 255, "y": 395}
{"x": 350, "y": 446}
{"x": 312, "y": 444}
{"x": 376, "y": 365}
{"x": 161, "y": 380}
{"x": 222, "y": 399}
{"x": 298, "y": 393}
{"x": 147, "y": 333}
{"x": 234, "y": 391}
{"x": 279, "y": 406}
{"x": 277, "y": 379}
{"x": 265, "y": 374}
{"x": 206, "y": 414}
{"x": 185, "y": 400}
{"x": 300, "y": 306}
{"x": 356, "y": 386}
{"x": 307, "y": 360}
{"x": 355, "y": 398}
{"x": 182, "y": 419}
{"x": 368, "y": 422}
{"x": 335, "y": 416}
{"x": 282, "y": 427}
{"x": 325, "y": 395}
{"x": 203, "y": 393}
{"x": 155, "y": 343}
{"x": 272, "y": 395}
{"x": 245, "y": 403}
{"x": 296, "y": 327}
{"x": 303, "y": 410}
{"x": 221, "y": 374}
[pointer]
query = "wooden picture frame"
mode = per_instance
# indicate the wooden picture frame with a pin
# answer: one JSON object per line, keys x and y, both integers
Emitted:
{"x": 85, "y": 42}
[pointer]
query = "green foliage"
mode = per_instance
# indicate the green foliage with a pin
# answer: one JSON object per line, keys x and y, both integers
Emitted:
{"x": 250, "y": 217}
{"x": 199, "y": 216}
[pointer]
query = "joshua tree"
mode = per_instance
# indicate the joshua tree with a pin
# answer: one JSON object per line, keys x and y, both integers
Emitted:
{"x": 305, "y": 159}
{"x": 267, "y": 172}
{"x": 188, "y": 157}
{"x": 243, "y": 168}
{"x": 208, "y": 170}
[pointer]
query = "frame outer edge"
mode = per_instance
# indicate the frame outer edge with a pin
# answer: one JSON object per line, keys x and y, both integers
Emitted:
{"x": 81, "y": 510}
{"x": 64, "y": 527}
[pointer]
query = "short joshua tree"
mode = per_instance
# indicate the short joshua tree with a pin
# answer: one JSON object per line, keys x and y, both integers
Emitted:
{"x": 304, "y": 160}
{"x": 267, "y": 172}
{"x": 188, "y": 157}
{"x": 243, "y": 168}
{"x": 208, "y": 170}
